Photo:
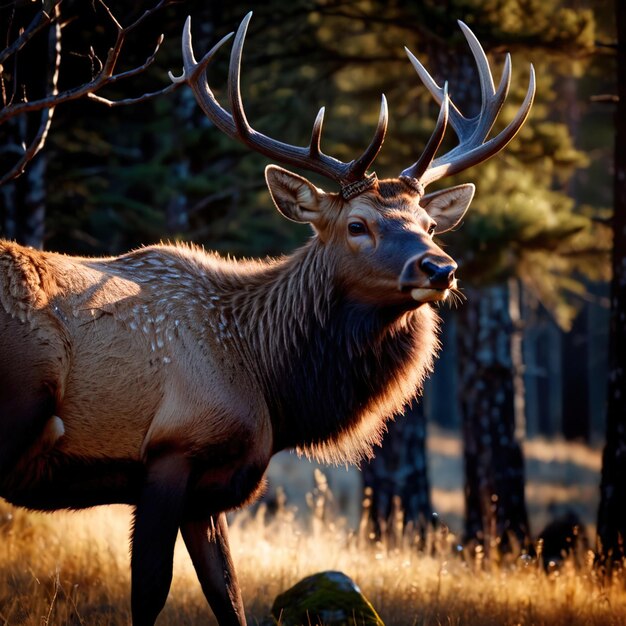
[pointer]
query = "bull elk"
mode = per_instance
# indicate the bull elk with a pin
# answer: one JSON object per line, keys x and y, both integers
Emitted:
{"x": 166, "y": 378}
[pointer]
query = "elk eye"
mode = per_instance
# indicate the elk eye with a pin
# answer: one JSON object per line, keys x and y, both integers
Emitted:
{"x": 357, "y": 228}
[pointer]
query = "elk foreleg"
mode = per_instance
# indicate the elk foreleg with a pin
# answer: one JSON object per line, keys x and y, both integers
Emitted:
{"x": 207, "y": 543}
{"x": 157, "y": 520}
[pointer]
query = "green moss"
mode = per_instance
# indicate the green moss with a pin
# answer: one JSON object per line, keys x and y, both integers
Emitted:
{"x": 328, "y": 598}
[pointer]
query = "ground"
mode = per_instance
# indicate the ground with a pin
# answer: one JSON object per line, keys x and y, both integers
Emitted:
{"x": 72, "y": 568}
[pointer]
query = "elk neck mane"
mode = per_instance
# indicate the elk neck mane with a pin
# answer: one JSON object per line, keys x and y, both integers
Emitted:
{"x": 333, "y": 371}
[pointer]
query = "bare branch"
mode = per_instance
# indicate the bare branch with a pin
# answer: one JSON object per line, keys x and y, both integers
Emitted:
{"x": 141, "y": 68}
{"x": 111, "y": 16}
{"x": 148, "y": 12}
{"x": 39, "y": 22}
{"x": 128, "y": 101}
{"x": 605, "y": 98}
{"x": 54, "y": 53}
{"x": 104, "y": 76}
{"x": 35, "y": 146}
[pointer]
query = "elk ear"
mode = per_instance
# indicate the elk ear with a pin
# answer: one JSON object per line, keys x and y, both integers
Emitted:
{"x": 448, "y": 206}
{"x": 294, "y": 196}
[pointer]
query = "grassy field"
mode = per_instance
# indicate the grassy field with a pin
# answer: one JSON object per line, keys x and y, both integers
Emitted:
{"x": 72, "y": 568}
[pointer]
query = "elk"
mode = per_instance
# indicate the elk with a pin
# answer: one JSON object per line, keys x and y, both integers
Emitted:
{"x": 167, "y": 377}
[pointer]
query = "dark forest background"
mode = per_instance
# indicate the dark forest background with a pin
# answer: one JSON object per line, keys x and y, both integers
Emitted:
{"x": 526, "y": 355}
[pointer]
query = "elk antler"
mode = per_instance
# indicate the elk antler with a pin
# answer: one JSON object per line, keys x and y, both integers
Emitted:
{"x": 352, "y": 175}
{"x": 472, "y": 132}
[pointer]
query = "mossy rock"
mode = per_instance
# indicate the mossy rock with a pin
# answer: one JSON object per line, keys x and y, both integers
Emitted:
{"x": 328, "y": 599}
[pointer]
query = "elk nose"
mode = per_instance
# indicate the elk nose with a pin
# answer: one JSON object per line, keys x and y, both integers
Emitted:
{"x": 441, "y": 276}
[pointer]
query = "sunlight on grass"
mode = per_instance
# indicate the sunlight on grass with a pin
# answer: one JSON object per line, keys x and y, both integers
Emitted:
{"x": 435, "y": 582}
{"x": 72, "y": 568}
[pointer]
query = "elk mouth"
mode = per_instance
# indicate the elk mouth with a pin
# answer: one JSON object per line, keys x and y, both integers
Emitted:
{"x": 429, "y": 294}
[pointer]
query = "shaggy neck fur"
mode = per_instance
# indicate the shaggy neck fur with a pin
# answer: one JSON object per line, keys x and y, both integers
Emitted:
{"x": 333, "y": 371}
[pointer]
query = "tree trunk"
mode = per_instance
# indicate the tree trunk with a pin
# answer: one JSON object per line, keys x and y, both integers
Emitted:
{"x": 35, "y": 68}
{"x": 491, "y": 394}
{"x": 543, "y": 374}
{"x": 396, "y": 480}
{"x": 575, "y": 380}
{"x": 575, "y": 354}
{"x": 23, "y": 204}
{"x": 612, "y": 510}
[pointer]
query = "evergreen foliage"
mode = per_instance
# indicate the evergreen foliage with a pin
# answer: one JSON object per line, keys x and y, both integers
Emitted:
{"x": 124, "y": 177}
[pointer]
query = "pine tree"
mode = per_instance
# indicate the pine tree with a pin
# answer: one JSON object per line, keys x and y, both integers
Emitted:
{"x": 118, "y": 178}
{"x": 612, "y": 511}
{"x": 522, "y": 225}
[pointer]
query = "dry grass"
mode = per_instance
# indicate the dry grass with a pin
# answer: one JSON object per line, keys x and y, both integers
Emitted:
{"x": 72, "y": 568}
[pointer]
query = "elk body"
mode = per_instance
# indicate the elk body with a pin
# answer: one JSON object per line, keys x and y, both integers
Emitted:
{"x": 166, "y": 378}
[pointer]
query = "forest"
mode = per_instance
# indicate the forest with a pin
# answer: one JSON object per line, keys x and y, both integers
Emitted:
{"x": 509, "y": 469}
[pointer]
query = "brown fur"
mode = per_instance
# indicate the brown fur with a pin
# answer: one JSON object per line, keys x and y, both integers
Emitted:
{"x": 166, "y": 378}
{"x": 169, "y": 343}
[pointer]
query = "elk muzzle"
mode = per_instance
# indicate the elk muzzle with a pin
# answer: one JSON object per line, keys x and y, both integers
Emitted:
{"x": 428, "y": 277}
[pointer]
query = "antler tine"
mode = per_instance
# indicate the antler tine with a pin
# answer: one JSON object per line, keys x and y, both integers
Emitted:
{"x": 472, "y": 155}
{"x": 491, "y": 101}
{"x": 484, "y": 71}
{"x": 192, "y": 72}
{"x": 361, "y": 165}
{"x": 423, "y": 163}
{"x": 455, "y": 116}
{"x": 235, "y": 124}
{"x": 490, "y": 108}
{"x": 234, "y": 82}
{"x": 472, "y": 132}
{"x": 316, "y": 133}
{"x": 311, "y": 157}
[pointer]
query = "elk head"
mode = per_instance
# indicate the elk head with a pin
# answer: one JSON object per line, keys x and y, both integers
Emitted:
{"x": 380, "y": 232}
